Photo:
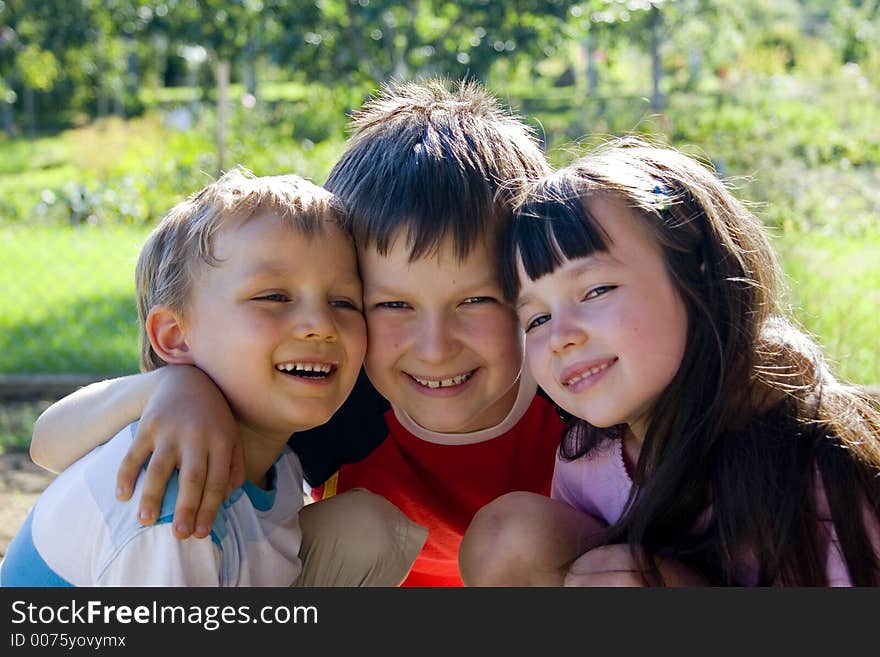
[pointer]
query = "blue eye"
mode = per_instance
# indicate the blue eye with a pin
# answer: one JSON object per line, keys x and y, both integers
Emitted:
{"x": 537, "y": 321}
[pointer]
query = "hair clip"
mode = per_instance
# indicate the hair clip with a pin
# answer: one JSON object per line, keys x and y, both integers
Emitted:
{"x": 662, "y": 197}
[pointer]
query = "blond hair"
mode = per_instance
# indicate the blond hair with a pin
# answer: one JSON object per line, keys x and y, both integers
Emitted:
{"x": 183, "y": 240}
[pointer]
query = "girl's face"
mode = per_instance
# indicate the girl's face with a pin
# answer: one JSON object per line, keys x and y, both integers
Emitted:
{"x": 605, "y": 333}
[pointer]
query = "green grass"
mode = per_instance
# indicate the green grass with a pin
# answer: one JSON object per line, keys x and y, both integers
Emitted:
{"x": 267, "y": 91}
{"x": 68, "y": 299}
{"x": 17, "y": 423}
{"x": 115, "y": 171}
{"x": 129, "y": 171}
{"x": 834, "y": 289}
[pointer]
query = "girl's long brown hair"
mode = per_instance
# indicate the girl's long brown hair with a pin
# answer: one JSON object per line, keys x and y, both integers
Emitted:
{"x": 753, "y": 415}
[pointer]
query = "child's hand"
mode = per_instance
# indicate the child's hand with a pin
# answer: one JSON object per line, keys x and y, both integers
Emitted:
{"x": 606, "y": 565}
{"x": 614, "y": 565}
{"x": 187, "y": 425}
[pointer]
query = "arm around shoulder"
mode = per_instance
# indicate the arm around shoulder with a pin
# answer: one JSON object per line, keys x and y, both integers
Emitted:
{"x": 76, "y": 424}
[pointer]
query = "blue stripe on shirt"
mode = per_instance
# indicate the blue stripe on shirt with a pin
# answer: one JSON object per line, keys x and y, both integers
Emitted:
{"x": 23, "y": 565}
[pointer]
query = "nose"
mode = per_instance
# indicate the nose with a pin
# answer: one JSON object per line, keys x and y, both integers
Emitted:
{"x": 314, "y": 321}
{"x": 435, "y": 340}
{"x": 565, "y": 332}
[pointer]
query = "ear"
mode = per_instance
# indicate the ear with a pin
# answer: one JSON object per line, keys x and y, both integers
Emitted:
{"x": 167, "y": 336}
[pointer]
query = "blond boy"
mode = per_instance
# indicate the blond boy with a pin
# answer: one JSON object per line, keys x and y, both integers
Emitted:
{"x": 235, "y": 282}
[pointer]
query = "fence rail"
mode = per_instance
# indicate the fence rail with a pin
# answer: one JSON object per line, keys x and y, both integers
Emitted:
{"x": 33, "y": 387}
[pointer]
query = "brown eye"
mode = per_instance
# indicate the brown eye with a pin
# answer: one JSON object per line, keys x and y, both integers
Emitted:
{"x": 276, "y": 297}
{"x": 598, "y": 291}
{"x": 344, "y": 303}
{"x": 393, "y": 305}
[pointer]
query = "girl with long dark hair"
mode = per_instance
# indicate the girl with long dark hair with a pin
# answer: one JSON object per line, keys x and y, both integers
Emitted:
{"x": 709, "y": 441}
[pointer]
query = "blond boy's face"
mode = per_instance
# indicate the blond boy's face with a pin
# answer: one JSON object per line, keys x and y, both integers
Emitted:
{"x": 443, "y": 347}
{"x": 278, "y": 324}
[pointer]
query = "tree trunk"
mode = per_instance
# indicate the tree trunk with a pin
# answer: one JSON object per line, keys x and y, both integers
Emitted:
{"x": 656, "y": 64}
{"x": 102, "y": 101}
{"x": 118, "y": 100}
{"x": 592, "y": 73}
{"x": 8, "y": 119}
{"x": 29, "y": 111}
{"x": 249, "y": 67}
{"x": 222, "y": 94}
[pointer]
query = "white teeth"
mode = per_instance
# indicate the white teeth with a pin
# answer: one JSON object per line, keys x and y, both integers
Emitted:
{"x": 444, "y": 383}
{"x": 323, "y": 368}
{"x": 584, "y": 375}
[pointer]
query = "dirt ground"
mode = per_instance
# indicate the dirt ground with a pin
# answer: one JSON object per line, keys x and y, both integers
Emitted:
{"x": 21, "y": 482}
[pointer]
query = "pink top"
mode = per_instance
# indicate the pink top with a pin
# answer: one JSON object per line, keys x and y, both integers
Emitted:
{"x": 598, "y": 484}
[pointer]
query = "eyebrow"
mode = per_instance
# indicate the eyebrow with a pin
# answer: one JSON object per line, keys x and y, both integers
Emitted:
{"x": 352, "y": 282}
{"x": 522, "y": 301}
{"x": 265, "y": 268}
{"x": 590, "y": 263}
{"x": 380, "y": 289}
{"x": 278, "y": 268}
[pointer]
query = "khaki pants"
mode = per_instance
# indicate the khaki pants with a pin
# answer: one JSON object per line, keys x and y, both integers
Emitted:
{"x": 357, "y": 538}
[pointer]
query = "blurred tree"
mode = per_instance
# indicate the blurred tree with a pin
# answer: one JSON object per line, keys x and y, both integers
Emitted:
{"x": 37, "y": 70}
{"x": 379, "y": 39}
{"x": 853, "y": 27}
{"x": 92, "y": 55}
{"x": 71, "y": 52}
{"x": 35, "y": 37}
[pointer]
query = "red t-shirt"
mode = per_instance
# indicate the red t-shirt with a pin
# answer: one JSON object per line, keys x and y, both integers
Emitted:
{"x": 442, "y": 486}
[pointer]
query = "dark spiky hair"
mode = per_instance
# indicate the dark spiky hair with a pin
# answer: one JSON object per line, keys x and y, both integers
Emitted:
{"x": 433, "y": 159}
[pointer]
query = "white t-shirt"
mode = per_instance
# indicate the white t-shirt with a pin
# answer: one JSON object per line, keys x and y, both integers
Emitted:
{"x": 79, "y": 534}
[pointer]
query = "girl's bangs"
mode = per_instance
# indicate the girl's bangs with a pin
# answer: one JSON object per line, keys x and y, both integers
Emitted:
{"x": 550, "y": 228}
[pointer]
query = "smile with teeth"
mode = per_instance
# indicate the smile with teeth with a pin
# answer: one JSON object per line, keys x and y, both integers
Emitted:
{"x": 443, "y": 383}
{"x": 309, "y": 370}
{"x": 588, "y": 373}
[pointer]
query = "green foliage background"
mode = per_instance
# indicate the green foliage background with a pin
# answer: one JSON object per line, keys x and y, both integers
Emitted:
{"x": 782, "y": 97}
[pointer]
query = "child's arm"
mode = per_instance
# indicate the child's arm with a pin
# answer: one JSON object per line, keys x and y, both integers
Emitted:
{"x": 525, "y": 539}
{"x": 614, "y": 565}
{"x": 74, "y": 425}
{"x": 185, "y": 424}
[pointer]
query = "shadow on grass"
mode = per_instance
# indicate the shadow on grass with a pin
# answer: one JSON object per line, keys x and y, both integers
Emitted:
{"x": 87, "y": 336}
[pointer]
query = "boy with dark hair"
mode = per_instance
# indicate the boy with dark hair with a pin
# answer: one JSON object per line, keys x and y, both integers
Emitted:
{"x": 445, "y": 419}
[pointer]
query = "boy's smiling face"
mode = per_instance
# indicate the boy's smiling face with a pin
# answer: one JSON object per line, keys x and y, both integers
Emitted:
{"x": 278, "y": 329}
{"x": 443, "y": 346}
